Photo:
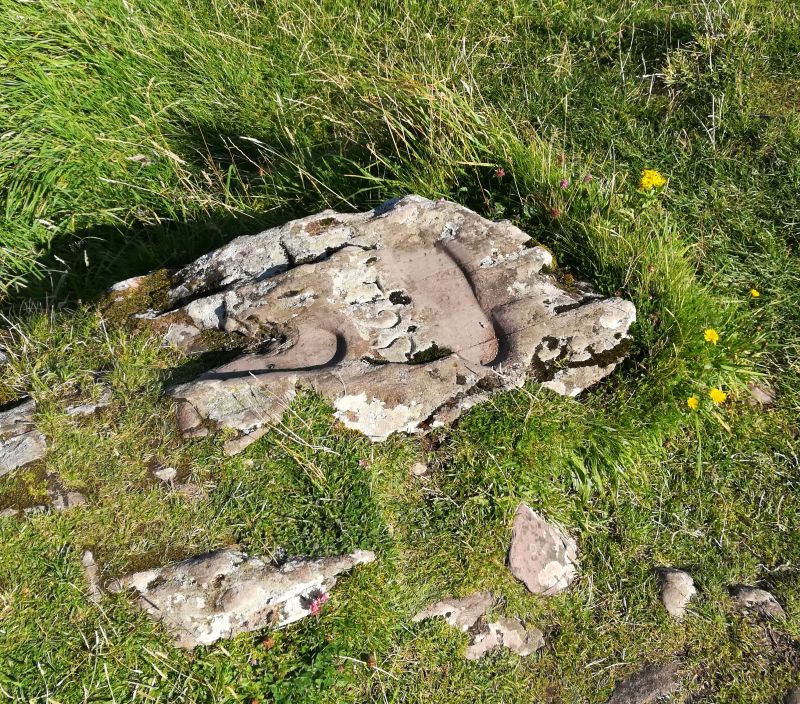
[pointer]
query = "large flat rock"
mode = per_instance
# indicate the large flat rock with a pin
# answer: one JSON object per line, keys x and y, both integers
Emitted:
{"x": 223, "y": 593}
{"x": 403, "y": 317}
{"x": 20, "y": 442}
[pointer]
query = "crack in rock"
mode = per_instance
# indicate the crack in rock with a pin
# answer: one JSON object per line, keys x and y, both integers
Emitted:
{"x": 403, "y": 317}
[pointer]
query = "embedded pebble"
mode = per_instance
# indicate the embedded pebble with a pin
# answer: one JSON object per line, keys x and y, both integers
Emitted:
{"x": 758, "y": 601}
{"x": 677, "y": 589}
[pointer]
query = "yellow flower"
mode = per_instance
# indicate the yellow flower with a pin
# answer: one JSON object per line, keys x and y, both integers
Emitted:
{"x": 754, "y": 293}
{"x": 717, "y": 395}
{"x": 693, "y": 402}
{"x": 651, "y": 179}
{"x": 711, "y": 336}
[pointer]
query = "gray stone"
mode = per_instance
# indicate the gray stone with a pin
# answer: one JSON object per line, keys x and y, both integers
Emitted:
{"x": 166, "y": 474}
{"x": 792, "y": 696}
{"x": 87, "y": 409}
{"x": 467, "y": 614}
{"x": 505, "y": 633}
{"x": 223, "y": 593}
{"x": 542, "y": 556}
{"x": 761, "y": 395}
{"x": 758, "y": 601}
{"x": 20, "y": 442}
{"x": 3, "y": 358}
{"x": 651, "y": 684}
{"x": 460, "y": 613}
{"x": 677, "y": 589}
{"x": 418, "y": 469}
{"x": 9, "y": 513}
{"x": 92, "y": 574}
{"x": 402, "y": 317}
{"x": 61, "y": 498}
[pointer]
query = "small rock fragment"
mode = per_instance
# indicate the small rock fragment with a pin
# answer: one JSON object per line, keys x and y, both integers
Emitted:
{"x": 761, "y": 395}
{"x": 758, "y": 601}
{"x": 192, "y": 492}
{"x": 86, "y": 409}
{"x": 166, "y": 474}
{"x": 508, "y": 633}
{"x": 9, "y": 513}
{"x": 418, "y": 469}
{"x": 20, "y": 442}
{"x": 648, "y": 685}
{"x": 3, "y": 358}
{"x": 542, "y": 556}
{"x": 92, "y": 574}
{"x": 34, "y": 510}
{"x": 677, "y": 589}
{"x": 792, "y": 696}
{"x": 461, "y": 613}
{"x": 61, "y": 498}
{"x": 467, "y": 615}
{"x": 223, "y": 593}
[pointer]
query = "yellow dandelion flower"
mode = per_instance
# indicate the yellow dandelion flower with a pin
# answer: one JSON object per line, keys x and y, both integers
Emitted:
{"x": 711, "y": 336}
{"x": 693, "y": 402}
{"x": 651, "y": 179}
{"x": 754, "y": 293}
{"x": 717, "y": 395}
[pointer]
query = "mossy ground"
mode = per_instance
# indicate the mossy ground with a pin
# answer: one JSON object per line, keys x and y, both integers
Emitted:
{"x": 169, "y": 128}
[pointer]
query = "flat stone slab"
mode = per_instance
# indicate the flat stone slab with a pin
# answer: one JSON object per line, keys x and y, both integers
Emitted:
{"x": 223, "y": 593}
{"x": 403, "y": 317}
{"x": 758, "y": 601}
{"x": 467, "y": 614}
{"x": 542, "y": 556}
{"x": 20, "y": 442}
{"x": 650, "y": 684}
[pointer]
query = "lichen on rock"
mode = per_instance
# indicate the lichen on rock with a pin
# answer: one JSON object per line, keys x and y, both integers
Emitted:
{"x": 403, "y": 317}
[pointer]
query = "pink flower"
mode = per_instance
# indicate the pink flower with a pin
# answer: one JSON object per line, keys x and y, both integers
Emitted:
{"x": 588, "y": 178}
{"x": 316, "y": 604}
{"x": 564, "y": 183}
{"x": 363, "y": 463}
{"x": 500, "y": 172}
{"x": 555, "y": 212}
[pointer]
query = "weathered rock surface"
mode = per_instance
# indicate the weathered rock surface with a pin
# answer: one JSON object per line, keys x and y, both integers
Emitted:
{"x": 91, "y": 407}
{"x": 761, "y": 395}
{"x": 677, "y": 589}
{"x": 758, "y": 601}
{"x": 223, "y": 593}
{"x": 467, "y": 615}
{"x": 419, "y": 470}
{"x": 542, "y": 556}
{"x": 402, "y": 317}
{"x": 20, "y": 442}
{"x": 61, "y": 498}
{"x": 92, "y": 573}
{"x": 792, "y": 696}
{"x": 650, "y": 684}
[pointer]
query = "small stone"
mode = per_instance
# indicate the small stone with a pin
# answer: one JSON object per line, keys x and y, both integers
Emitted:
{"x": 192, "y": 492}
{"x": 758, "y": 601}
{"x": 9, "y": 513}
{"x": 461, "y": 613}
{"x": 508, "y": 633}
{"x": 166, "y": 474}
{"x": 648, "y": 685}
{"x": 418, "y": 469}
{"x": 87, "y": 409}
{"x": 92, "y": 574}
{"x": 34, "y": 510}
{"x": 21, "y": 450}
{"x": 542, "y": 556}
{"x": 61, "y": 498}
{"x": 3, "y": 358}
{"x": 467, "y": 615}
{"x": 761, "y": 395}
{"x": 223, "y": 593}
{"x": 20, "y": 442}
{"x": 792, "y": 696}
{"x": 677, "y": 589}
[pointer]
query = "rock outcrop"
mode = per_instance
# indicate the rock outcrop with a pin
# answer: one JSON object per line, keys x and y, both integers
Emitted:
{"x": 223, "y": 593}
{"x": 402, "y": 317}
{"x": 542, "y": 556}
{"x": 650, "y": 684}
{"x": 758, "y": 601}
{"x": 20, "y": 442}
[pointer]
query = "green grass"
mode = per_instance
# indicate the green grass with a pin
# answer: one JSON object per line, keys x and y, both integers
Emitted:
{"x": 243, "y": 114}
